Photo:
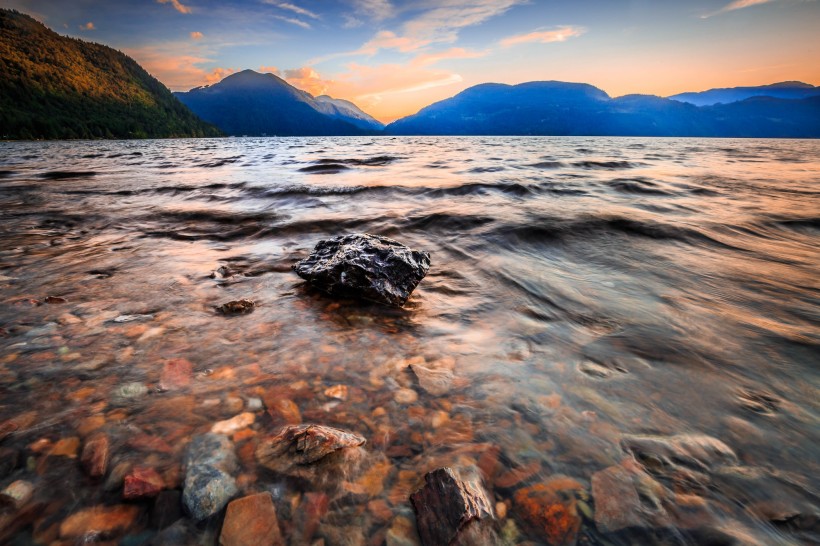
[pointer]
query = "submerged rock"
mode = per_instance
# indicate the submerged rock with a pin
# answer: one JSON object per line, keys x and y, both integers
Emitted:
{"x": 208, "y": 482}
{"x": 251, "y": 520}
{"x": 96, "y": 454}
{"x": 238, "y": 307}
{"x": 550, "y": 508}
{"x": 449, "y": 510}
{"x": 366, "y": 266}
{"x": 298, "y": 446}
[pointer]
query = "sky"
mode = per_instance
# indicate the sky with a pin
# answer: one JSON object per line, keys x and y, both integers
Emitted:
{"x": 393, "y": 57}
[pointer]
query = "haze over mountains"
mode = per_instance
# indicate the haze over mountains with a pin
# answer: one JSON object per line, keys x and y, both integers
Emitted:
{"x": 57, "y": 87}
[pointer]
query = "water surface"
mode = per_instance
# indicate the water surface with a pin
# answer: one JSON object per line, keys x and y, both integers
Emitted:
{"x": 584, "y": 293}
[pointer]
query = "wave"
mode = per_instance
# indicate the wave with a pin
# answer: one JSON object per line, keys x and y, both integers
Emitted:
{"x": 607, "y": 165}
{"x": 637, "y": 185}
{"x": 61, "y": 175}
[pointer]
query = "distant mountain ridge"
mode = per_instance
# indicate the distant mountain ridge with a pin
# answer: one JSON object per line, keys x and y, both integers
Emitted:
{"x": 254, "y": 104}
{"x": 561, "y": 109}
{"x": 52, "y": 86}
{"x": 783, "y": 90}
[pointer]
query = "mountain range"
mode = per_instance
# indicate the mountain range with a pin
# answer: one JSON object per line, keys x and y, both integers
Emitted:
{"x": 560, "y": 108}
{"x": 52, "y": 86}
{"x": 254, "y": 104}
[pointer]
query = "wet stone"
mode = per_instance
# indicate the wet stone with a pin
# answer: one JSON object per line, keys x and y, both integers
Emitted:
{"x": 16, "y": 494}
{"x": 617, "y": 493}
{"x": 663, "y": 453}
{"x": 142, "y": 482}
{"x": 229, "y": 426}
{"x": 237, "y": 307}
{"x": 98, "y": 522}
{"x": 176, "y": 373}
{"x": 296, "y": 446}
{"x": 550, "y": 510}
{"x": 451, "y": 510}
{"x": 95, "y": 455}
{"x": 251, "y": 520}
{"x": 366, "y": 266}
{"x": 209, "y": 486}
{"x": 167, "y": 509}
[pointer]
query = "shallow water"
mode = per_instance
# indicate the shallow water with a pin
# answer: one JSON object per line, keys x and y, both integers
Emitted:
{"x": 582, "y": 291}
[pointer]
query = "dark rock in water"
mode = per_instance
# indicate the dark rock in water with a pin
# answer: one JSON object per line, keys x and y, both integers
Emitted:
{"x": 366, "y": 266}
{"x": 8, "y": 461}
{"x": 208, "y": 482}
{"x": 297, "y": 446}
{"x": 449, "y": 510}
{"x": 239, "y": 307}
{"x": 96, "y": 454}
{"x": 167, "y": 509}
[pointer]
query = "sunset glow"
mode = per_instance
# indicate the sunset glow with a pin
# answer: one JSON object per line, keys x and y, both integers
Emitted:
{"x": 393, "y": 57}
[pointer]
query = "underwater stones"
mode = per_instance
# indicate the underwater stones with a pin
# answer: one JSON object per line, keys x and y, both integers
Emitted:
{"x": 696, "y": 451}
{"x": 208, "y": 485}
{"x": 449, "y": 510}
{"x": 550, "y": 509}
{"x": 297, "y": 446}
{"x": 238, "y": 422}
{"x": 238, "y": 307}
{"x": 142, "y": 482}
{"x": 625, "y": 496}
{"x": 96, "y": 454}
{"x": 176, "y": 374}
{"x": 251, "y": 520}
{"x": 366, "y": 266}
{"x": 98, "y": 522}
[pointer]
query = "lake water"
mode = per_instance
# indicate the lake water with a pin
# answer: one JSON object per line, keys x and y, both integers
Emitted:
{"x": 628, "y": 328}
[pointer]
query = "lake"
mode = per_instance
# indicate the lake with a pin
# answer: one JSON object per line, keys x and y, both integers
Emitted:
{"x": 617, "y": 337}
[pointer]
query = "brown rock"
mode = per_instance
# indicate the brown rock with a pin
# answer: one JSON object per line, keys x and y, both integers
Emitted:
{"x": 99, "y": 522}
{"x": 517, "y": 475}
{"x": 142, "y": 482}
{"x": 238, "y": 422}
{"x": 96, "y": 454}
{"x": 550, "y": 508}
{"x": 176, "y": 373}
{"x": 300, "y": 445}
{"x": 251, "y": 520}
{"x": 284, "y": 410}
{"x": 626, "y": 496}
{"x": 435, "y": 377}
{"x": 448, "y": 506}
{"x": 238, "y": 307}
{"x": 313, "y": 509}
{"x": 66, "y": 447}
{"x": 380, "y": 510}
{"x": 18, "y": 423}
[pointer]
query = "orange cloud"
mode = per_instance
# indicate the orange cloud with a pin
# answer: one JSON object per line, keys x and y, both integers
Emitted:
{"x": 179, "y": 72}
{"x": 196, "y": 35}
{"x": 88, "y": 26}
{"x": 269, "y": 70}
{"x": 453, "y": 53}
{"x": 544, "y": 36}
{"x": 307, "y": 79}
{"x": 177, "y": 5}
{"x": 737, "y": 4}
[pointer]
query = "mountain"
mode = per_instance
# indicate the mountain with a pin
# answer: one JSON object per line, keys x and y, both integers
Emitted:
{"x": 782, "y": 90}
{"x": 250, "y": 103}
{"x": 561, "y": 109}
{"x": 52, "y": 86}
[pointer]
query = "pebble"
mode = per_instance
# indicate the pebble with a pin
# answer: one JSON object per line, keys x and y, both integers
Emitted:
{"x": 176, "y": 374}
{"x": 89, "y": 523}
{"x": 16, "y": 494}
{"x": 251, "y": 520}
{"x": 142, "y": 482}
{"x": 95, "y": 456}
{"x": 208, "y": 485}
{"x": 253, "y": 404}
{"x": 229, "y": 426}
{"x": 406, "y": 396}
{"x": 133, "y": 318}
{"x": 337, "y": 391}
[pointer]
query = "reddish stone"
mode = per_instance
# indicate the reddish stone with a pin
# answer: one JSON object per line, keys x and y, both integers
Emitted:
{"x": 251, "y": 520}
{"x": 176, "y": 373}
{"x": 550, "y": 508}
{"x": 99, "y": 521}
{"x": 315, "y": 506}
{"x": 142, "y": 482}
{"x": 96, "y": 454}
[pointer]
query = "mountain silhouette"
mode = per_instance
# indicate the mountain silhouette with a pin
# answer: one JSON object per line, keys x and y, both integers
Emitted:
{"x": 250, "y": 103}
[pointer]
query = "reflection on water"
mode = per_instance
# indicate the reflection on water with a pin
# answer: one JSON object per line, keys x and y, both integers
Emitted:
{"x": 622, "y": 330}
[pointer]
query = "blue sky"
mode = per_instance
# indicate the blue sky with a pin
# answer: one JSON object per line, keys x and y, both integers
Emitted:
{"x": 393, "y": 57}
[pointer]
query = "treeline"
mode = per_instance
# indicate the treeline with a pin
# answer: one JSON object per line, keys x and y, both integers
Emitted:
{"x": 54, "y": 87}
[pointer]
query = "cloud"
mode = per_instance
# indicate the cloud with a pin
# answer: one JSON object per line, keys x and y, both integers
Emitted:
{"x": 292, "y": 7}
{"x": 178, "y": 71}
{"x": 88, "y": 26}
{"x": 452, "y": 53}
{"x": 737, "y": 4}
{"x": 177, "y": 5}
{"x": 197, "y": 36}
{"x": 269, "y": 69}
{"x": 377, "y": 10}
{"x": 544, "y": 36}
{"x": 307, "y": 79}
{"x": 292, "y": 21}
